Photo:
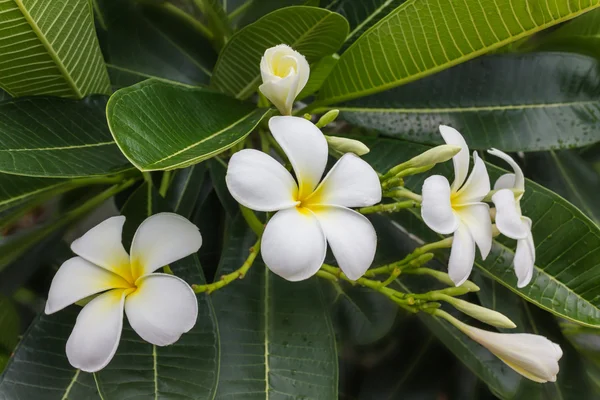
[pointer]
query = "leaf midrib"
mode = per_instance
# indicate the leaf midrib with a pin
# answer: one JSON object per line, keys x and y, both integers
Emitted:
{"x": 50, "y": 51}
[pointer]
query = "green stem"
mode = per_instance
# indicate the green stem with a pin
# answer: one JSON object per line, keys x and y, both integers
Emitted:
{"x": 403, "y": 193}
{"x": 441, "y": 276}
{"x": 391, "y": 207}
{"x": 252, "y": 220}
{"x": 239, "y": 273}
{"x": 265, "y": 146}
{"x": 164, "y": 183}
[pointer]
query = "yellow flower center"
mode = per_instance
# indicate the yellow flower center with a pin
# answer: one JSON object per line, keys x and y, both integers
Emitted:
{"x": 282, "y": 65}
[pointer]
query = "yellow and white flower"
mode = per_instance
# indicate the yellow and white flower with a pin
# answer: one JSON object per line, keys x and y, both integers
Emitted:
{"x": 159, "y": 307}
{"x": 510, "y": 221}
{"x": 459, "y": 209}
{"x": 309, "y": 214}
{"x": 284, "y": 73}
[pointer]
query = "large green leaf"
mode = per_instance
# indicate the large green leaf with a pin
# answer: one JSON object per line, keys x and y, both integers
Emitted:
{"x": 526, "y": 102}
{"x": 567, "y": 272}
{"x": 57, "y": 138}
{"x": 162, "y": 126}
{"x": 276, "y": 337}
{"x": 189, "y": 368}
{"x": 314, "y": 32}
{"x": 421, "y": 37}
{"x": 140, "y": 42}
{"x": 566, "y": 173}
{"x": 38, "y": 55}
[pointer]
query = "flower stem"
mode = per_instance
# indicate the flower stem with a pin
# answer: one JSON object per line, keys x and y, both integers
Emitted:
{"x": 403, "y": 193}
{"x": 252, "y": 220}
{"x": 391, "y": 207}
{"x": 164, "y": 183}
{"x": 239, "y": 273}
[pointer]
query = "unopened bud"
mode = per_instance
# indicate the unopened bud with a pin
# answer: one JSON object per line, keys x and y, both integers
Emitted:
{"x": 482, "y": 314}
{"x": 436, "y": 155}
{"x": 345, "y": 145}
{"x": 327, "y": 118}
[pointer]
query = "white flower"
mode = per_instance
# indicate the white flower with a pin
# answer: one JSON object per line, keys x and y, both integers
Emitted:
{"x": 284, "y": 74}
{"x": 159, "y": 307}
{"x": 533, "y": 356}
{"x": 458, "y": 209}
{"x": 509, "y": 220}
{"x": 308, "y": 216}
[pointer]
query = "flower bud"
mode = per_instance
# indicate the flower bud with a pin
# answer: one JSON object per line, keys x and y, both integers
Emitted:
{"x": 284, "y": 74}
{"x": 434, "y": 156}
{"x": 327, "y": 118}
{"x": 482, "y": 314}
{"x": 345, "y": 145}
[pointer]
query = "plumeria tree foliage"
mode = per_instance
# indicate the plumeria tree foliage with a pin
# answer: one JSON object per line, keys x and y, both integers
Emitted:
{"x": 211, "y": 199}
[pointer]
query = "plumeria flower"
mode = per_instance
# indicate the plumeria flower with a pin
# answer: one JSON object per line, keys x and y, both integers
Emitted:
{"x": 284, "y": 73}
{"x": 159, "y": 307}
{"x": 533, "y": 356}
{"x": 309, "y": 214}
{"x": 509, "y": 220}
{"x": 458, "y": 209}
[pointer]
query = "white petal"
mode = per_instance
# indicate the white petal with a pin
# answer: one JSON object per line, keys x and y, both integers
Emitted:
{"x": 350, "y": 183}
{"x": 305, "y": 146}
{"x": 293, "y": 244}
{"x": 476, "y": 217}
{"x": 477, "y": 186}
{"x": 436, "y": 208}
{"x": 524, "y": 260}
{"x": 77, "y": 279}
{"x": 260, "y": 183}
{"x": 462, "y": 255}
{"x": 506, "y": 181}
{"x": 281, "y": 91}
{"x": 160, "y": 240}
{"x": 96, "y": 334}
{"x": 351, "y": 237}
{"x": 102, "y": 246}
{"x": 519, "y": 180}
{"x": 162, "y": 308}
{"x": 508, "y": 215}
{"x": 461, "y": 160}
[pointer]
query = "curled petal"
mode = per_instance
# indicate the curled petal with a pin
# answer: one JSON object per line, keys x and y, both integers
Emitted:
{"x": 160, "y": 240}
{"x": 462, "y": 255}
{"x": 305, "y": 146}
{"x": 162, "y": 308}
{"x": 260, "y": 183}
{"x": 508, "y": 215}
{"x": 477, "y": 186}
{"x": 281, "y": 91}
{"x": 96, "y": 334}
{"x": 519, "y": 180}
{"x": 351, "y": 237}
{"x": 293, "y": 244}
{"x": 436, "y": 208}
{"x": 524, "y": 260}
{"x": 460, "y": 160}
{"x": 350, "y": 183}
{"x": 102, "y": 246}
{"x": 476, "y": 217}
{"x": 77, "y": 279}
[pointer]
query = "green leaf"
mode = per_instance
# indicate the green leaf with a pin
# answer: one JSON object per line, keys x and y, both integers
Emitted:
{"x": 57, "y": 138}
{"x": 186, "y": 188}
{"x": 38, "y": 56}
{"x": 4, "y": 96}
{"x": 581, "y": 35}
{"x": 565, "y": 278}
{"x": 421, "y": 37}
{"x": 10, "y": 323}
{"x": 40, "y": 369}
{"x": 276, "y": 337}
{"x": 318, "y": 74}
{"x": 141, "y": 42}
{"x": 146, "y": 121}
{"x": 16, "y": 190}
{"x": 314, "y": 32}
{"x": 189, "y": 368}
{"x": 514, "y": 102}
{"x": 566, "y": 173}
{"x": 218, "y": 170}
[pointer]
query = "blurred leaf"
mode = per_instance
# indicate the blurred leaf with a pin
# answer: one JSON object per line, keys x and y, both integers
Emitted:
{"x": 276, "y": 336}
{"x": 255, "y": 9}
{"x": 514, "y": 102}
{"x": 187, "y": 369}
{"x": 587, "y": 342}
{"x": 318, "y": 73}
{"x": 4, "y": 96}
{"x": 11, "y": 325}
{"x": 412, "y": 41}
{"x": 314, "y": 32}
{"x": 57, "y": 138}
{"x": 146, "y": 121}
{"x": 185, "y": 188}
{"x": 218, "y": 170}
{"x": 49, "y": 64}
{"x": 16, "y": 190}
{"x": 565, "y": 278}
{"x": 140, "y": 42}
{"x": 566, "y": 173}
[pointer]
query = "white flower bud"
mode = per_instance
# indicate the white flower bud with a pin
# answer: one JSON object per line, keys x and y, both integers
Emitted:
{"x": 433, "y": 156}
{"x": 345, "y": 145}
{"x": 482, "y": 314}
{"x": 284, "y": 74}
